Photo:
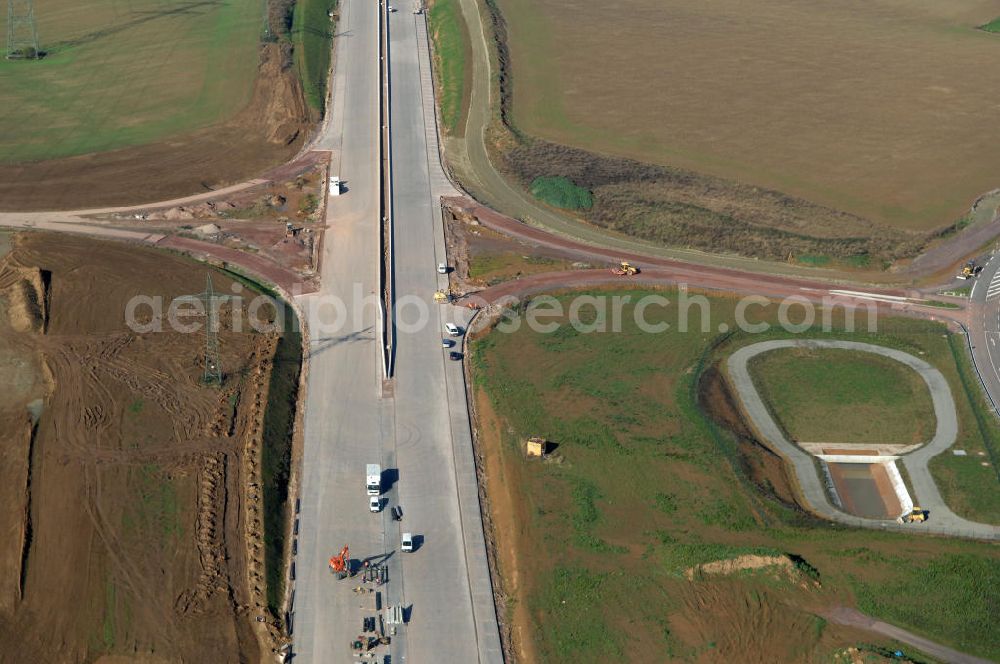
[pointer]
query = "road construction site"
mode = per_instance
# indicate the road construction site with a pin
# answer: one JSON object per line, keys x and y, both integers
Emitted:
{"x": 418, "y": 419}
{"x": 133, "y": 513}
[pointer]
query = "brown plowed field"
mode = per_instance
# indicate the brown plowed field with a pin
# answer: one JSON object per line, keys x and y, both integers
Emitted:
{"x": 123, "y": 513}
{"x": 861, "y": 107}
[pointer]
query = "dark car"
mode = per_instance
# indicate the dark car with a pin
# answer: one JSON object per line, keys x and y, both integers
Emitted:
{"x": 455, "y": 355}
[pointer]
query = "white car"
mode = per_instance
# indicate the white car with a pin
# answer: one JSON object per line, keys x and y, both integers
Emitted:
{"x": 406, "y": 544}
{"x": 335, "y": 186}
{"x": 391, "y": 8}
{"x": 442, "y": 268}
{"x": 453, "y": 330}
{"x": 375, "y": 504}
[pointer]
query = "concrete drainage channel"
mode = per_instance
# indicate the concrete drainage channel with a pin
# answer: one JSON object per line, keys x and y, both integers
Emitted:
{"x": 814, "y": 490}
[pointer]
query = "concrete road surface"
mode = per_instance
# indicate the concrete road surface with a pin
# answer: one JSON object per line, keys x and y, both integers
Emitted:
{"x": 942, "y": 520}
{"x": 447, "y": 581}
{"x": 347, "y": 425}
{"x": 418, "y": 428}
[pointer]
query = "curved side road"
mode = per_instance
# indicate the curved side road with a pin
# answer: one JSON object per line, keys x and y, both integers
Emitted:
{"x": 942, "y": 520}
{"x": 469, "y": 159}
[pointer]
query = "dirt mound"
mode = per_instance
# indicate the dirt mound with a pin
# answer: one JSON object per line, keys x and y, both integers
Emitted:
{"x": 730, "y": 621}
{"x": 724, "y": 567}
{"x": 28, "y": 300}
{"x": 269, "y": 131}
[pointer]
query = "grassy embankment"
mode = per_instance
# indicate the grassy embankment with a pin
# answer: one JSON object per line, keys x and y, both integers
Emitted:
{"x": 121, "y": 75}
{"x": 452, "y": 65}
{"x": 594, "y": 543}
{"x": 312, "y": 33}
{"x": 842, "y": 396}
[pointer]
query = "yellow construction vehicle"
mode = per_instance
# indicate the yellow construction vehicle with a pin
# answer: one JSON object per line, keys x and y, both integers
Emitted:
{"x": 969, "y": 271}
{"x": 916, "y": 515}
{"x": 442, "y": 297}
{"x": 625, "y": 269}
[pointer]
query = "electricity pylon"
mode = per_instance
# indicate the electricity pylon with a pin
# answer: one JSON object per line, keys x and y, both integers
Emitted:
{"x": 213, "y": 368}
{"x": 22, "y": 33}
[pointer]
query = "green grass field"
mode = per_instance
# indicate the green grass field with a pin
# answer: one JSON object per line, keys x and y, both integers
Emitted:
{"x": 830, "y": 103}
{"x": 118, "y": 75}
{"x": 992, "y": 26}
{"x": 312, "y": 31}
{"x": 646, "y": 484}
{"x": 451, "y": 61}
{"x": 840, "y": 396}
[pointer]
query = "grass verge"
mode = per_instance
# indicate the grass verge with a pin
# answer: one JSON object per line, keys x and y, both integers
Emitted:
{"x": 312, "y": 34}
{"x": 452, "y": 61}
{"x": 276, "y": 455}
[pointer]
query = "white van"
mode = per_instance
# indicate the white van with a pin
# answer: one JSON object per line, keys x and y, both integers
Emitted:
{"x": 375, "y": 503}
{"x": 453, "y": 330}
{"x": 335, "y": 186}
{"x": 407, "y": 543}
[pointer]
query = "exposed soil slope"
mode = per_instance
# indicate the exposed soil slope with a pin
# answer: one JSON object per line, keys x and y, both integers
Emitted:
{"x": 128, "y": 526}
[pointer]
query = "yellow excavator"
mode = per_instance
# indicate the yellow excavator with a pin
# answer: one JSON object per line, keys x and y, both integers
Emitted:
{"x": 968, "y": 271}
{"x": 916, "y": 515}
{"x": 625, "y": 269}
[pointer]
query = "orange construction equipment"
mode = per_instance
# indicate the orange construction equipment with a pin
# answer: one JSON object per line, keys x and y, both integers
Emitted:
{"x": 625, "y": 269}
{"x": 339, "y": 564}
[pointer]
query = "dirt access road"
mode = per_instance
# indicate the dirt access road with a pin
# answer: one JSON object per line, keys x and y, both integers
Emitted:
{"x": 128, "y": 525}
{"x": 659, "y": 271}
{"x": 843, "y": 615}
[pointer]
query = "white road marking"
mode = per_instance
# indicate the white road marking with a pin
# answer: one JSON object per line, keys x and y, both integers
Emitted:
{"x": 994, "y": 288}
{"x": 889, "y": 299}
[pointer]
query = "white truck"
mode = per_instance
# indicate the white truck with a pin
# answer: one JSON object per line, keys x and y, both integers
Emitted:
{"x": 334, "y": 186}
{"x": 374, "y": 479}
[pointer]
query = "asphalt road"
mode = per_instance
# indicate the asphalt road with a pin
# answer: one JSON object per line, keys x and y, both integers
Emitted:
{"x": 942, "y": 520}
{"x": 984, "y": 328}
{"x": 417, "y": 427}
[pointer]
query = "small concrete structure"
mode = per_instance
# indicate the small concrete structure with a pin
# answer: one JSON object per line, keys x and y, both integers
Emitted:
{"x": 535, "y": 447}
